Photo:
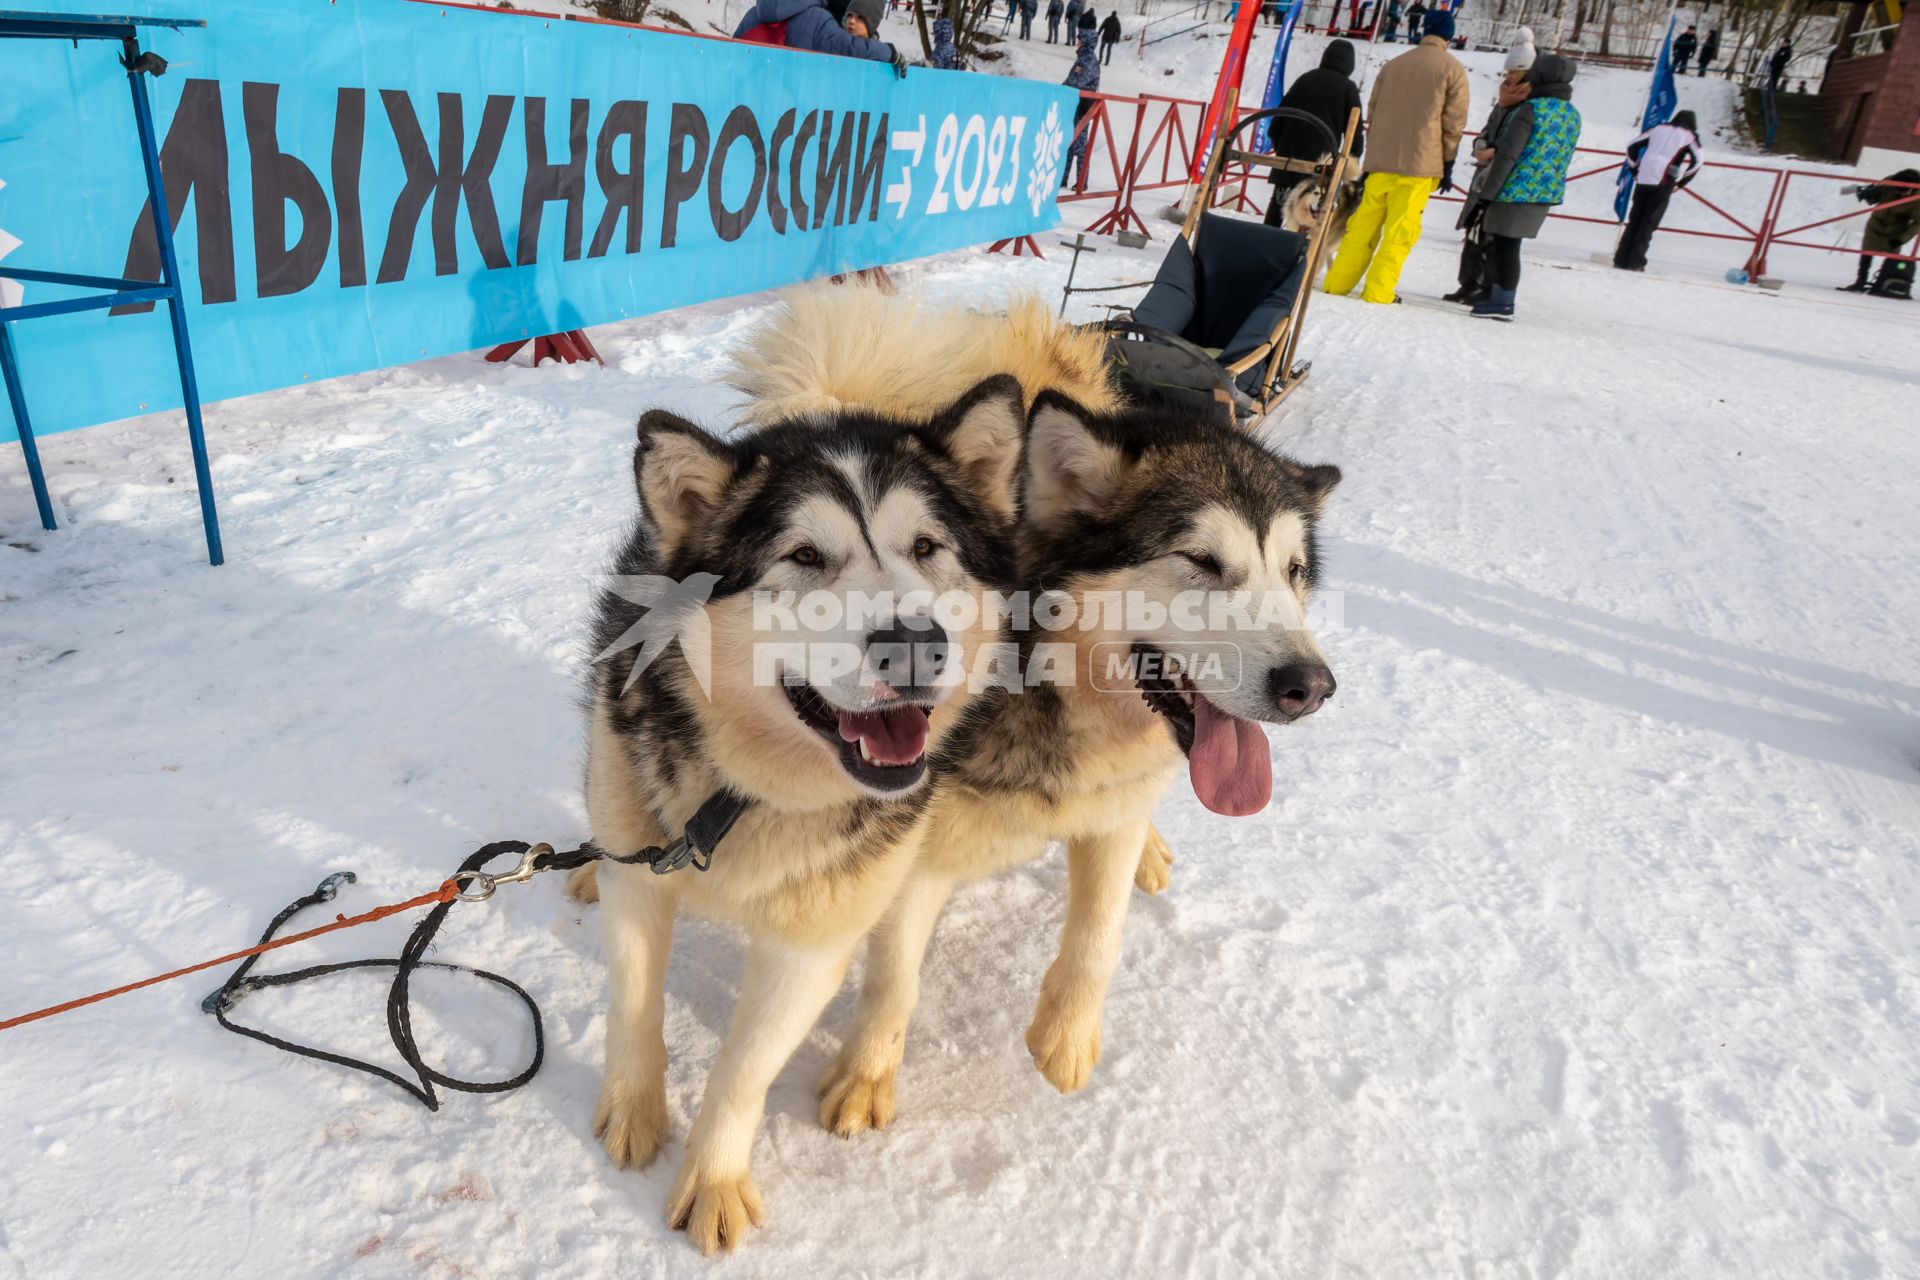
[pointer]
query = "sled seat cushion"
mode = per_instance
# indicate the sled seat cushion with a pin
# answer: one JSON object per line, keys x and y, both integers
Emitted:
{"x": 1232, "y": 293}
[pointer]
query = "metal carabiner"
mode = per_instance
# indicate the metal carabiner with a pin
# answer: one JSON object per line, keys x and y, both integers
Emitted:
{"x": 487, "y": 883}
{"x": 679, "y": 852}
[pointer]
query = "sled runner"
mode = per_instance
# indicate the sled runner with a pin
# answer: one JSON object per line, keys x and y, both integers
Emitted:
{"x": 1221, "y": 324}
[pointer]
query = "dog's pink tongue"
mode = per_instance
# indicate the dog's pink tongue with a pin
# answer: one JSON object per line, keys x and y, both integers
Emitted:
{"x": 1228, "y": 764}
{"x": 895, "y": 736}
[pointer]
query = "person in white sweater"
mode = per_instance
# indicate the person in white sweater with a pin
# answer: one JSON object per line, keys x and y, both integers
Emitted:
{"x": 1663, "y": 159}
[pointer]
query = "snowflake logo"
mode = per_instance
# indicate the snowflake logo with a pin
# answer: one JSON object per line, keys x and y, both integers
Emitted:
{"x": 1045, "y": 177}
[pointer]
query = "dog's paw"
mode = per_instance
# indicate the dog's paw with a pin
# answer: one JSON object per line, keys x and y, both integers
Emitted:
{"x": 1065, "y": 1047}
{"x": 583, "y": 883}
{"x": 1155, "y": 871}
{"x": 716, "y": 1213}
{"x": 631, "y": 1121}
{"x": 853, "y": 1101}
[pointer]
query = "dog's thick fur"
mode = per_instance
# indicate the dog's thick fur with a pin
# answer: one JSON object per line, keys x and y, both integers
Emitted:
{"x": 1114, "y": 499}
{"x": 819, "y": 855}
{"x": 829, "y": 349}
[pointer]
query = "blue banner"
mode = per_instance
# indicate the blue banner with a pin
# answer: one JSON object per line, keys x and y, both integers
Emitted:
{"x": 1662, "y": 98}
{"x": 362, "y": 183}
{"x": 1276, "y": 77}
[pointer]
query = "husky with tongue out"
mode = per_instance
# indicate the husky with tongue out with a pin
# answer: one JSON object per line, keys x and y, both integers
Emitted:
{"x": 825, "y": 721}
{"x": 1185, "y": 551}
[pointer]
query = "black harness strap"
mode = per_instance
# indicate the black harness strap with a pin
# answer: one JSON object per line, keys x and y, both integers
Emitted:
{"x": 695, "y": 846}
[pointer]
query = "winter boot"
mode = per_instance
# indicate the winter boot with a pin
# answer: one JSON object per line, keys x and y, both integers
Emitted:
{"x": 1498, "y": 306}
{"x": 1467, "y": 295}
{"x": 1859, "y": 284}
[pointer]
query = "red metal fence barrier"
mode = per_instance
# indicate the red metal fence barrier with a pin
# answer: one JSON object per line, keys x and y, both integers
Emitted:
{"x": 1161, "y": 133}
{"x": 1772, "y": 233}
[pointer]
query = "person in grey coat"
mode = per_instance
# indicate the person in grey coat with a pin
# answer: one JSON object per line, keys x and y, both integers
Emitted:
{"x": 1523, "y": 175}
{"x": 1551, "y": 77}
{"x": 1476, "y": 280}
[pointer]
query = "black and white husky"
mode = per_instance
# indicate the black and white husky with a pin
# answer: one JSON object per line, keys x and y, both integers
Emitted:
{"x": 826, "y": 729}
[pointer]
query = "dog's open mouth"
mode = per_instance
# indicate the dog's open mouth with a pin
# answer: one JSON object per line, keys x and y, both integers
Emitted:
{"x": 1227, "y": 759}
{"x": 882, "y": 750}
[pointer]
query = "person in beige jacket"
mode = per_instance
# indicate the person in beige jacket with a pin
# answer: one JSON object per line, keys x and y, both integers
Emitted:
{"x": 1416, "y": 114}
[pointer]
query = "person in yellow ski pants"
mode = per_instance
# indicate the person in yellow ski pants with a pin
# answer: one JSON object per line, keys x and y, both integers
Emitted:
{"x": 1382, "y": 231}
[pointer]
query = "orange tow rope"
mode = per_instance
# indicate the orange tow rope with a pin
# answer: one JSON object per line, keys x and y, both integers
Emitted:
{"x": 445, "y": 893}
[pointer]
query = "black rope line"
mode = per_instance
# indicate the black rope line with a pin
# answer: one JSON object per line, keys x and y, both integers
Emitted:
{"x": 704, "y": 831}
{"x": 399, "y": 1002}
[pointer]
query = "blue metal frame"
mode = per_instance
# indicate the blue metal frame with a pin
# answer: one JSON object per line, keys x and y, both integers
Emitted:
{"x": 18, "y": 25}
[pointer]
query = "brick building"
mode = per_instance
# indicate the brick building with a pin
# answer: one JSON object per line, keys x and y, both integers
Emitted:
{"x": 1871, "y": 94}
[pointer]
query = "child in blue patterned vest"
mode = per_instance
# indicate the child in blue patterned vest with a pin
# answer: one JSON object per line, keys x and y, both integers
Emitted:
{"x": 1525, "y": 175}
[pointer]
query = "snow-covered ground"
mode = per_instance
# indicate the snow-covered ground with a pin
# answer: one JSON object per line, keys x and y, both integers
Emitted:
{"x": 1579, "y": 941}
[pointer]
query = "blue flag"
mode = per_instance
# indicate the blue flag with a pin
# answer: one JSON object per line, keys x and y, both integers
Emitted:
{"x": 1662, "y": 98}
{"x": 1276, "y": 75}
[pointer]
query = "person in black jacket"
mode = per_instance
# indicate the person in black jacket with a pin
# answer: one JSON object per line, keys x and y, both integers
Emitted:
{"x": 1109, "y": 36}
{"x": 1416, "y": 20}
{"x": 1710, "y": 50}
{"x": 1777, "y": 66}
{"x": 1328, "y": 93}
{"x": 1683, "y": 51}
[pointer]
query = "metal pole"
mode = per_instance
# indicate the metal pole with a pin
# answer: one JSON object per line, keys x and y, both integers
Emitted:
{"x": 17, "y": 397}
{"x": 176, "y": 302}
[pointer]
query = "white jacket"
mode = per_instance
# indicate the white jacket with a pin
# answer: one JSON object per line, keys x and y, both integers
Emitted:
{"x": 1665, "y": 155}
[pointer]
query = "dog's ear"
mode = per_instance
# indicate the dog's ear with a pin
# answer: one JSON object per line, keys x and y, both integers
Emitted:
{"x": 680, "y": 471}
{"x": 982, "y": 432}
{"x": 1317, "y": 480}
{"x": 1070, "y": 468}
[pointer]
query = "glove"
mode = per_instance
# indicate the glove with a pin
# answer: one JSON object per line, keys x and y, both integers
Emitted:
{"x": 1446, "y": 178}
{"x": 899, "y": 63}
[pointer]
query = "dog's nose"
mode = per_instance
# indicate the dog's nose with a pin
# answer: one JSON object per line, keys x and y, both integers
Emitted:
{"x": 910, "y": 654}
{"x": 1299, "y": 688}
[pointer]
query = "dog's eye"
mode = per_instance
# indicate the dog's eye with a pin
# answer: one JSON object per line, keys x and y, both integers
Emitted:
{"x": 1202, "y": 561}
{"x": 1297, "y": 573}
{"x": 805, "y": 555}
{"x": 923, "y": 547}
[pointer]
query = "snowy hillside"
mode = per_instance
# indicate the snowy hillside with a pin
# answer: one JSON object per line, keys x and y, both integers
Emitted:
{"x": 1579, "y": 940}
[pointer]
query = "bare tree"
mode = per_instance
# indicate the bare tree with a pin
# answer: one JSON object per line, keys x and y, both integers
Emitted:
{"x": 637, "y": 11}
{"x": 969, "y": 18}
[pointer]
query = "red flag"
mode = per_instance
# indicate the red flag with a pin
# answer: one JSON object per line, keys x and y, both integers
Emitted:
{"x": 1232, "y": 67}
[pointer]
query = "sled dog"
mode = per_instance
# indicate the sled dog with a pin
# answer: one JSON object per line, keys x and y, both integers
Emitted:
{"x": 1301, "y": 211}
{"x": 1143, "y": 505}
{"x": 833, "y": 756}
